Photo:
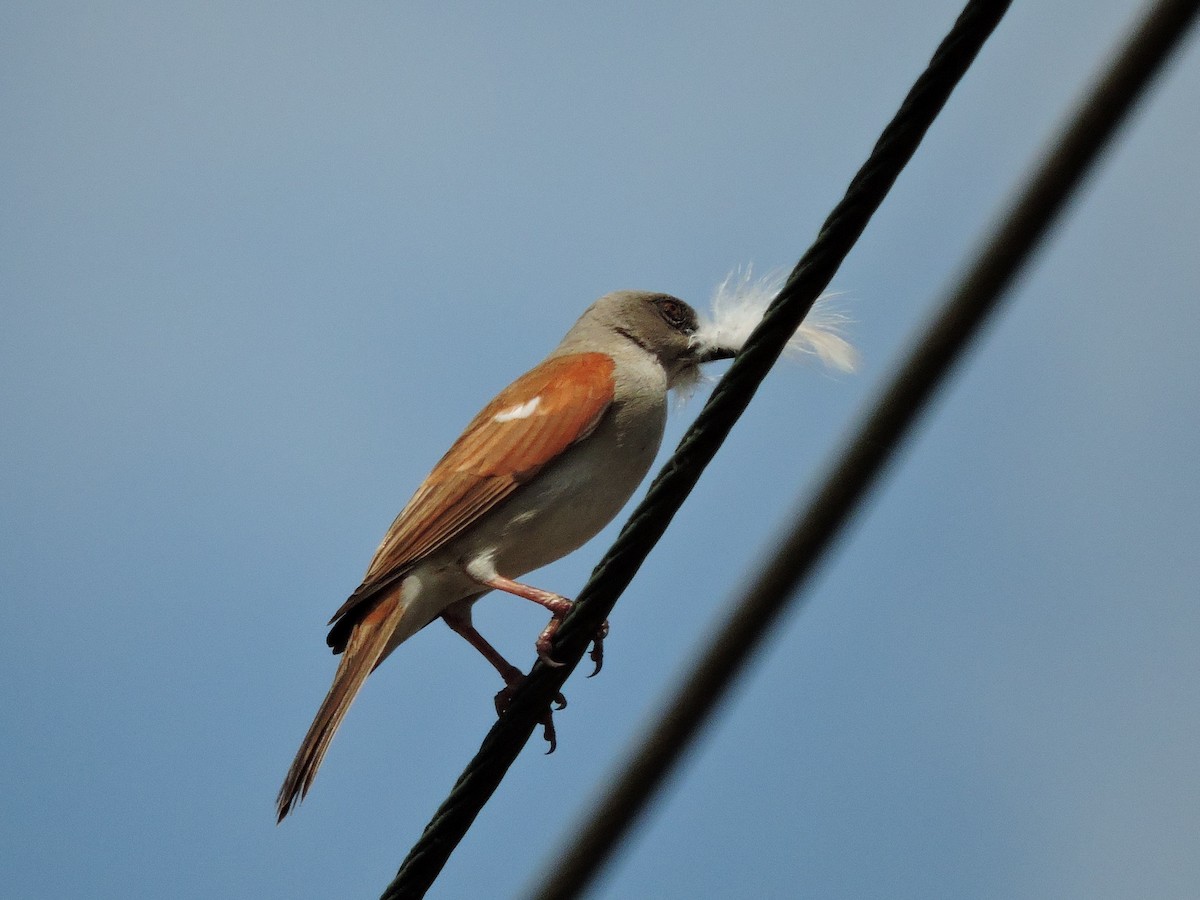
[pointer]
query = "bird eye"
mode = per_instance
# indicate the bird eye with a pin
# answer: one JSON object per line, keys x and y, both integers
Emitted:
{"x": 677, "y": 314}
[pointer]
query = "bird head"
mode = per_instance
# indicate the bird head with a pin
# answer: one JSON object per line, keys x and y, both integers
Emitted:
{"x": 660, "y": 324}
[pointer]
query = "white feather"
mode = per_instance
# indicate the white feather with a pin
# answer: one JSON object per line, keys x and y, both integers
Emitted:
{"x": 738, "y": 306}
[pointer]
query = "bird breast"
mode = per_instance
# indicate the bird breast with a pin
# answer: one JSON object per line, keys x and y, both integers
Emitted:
{"x": 566, "y": 503}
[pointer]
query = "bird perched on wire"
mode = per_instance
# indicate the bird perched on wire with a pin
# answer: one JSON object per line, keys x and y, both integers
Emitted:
{"x": 538, "y": 472}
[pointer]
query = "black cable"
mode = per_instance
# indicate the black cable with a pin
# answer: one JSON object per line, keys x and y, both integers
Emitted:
{"x": 889, "y": 421}
{"x": 729, "y": 399}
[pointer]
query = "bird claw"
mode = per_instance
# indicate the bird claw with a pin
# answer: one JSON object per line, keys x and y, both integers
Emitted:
{"x": 545, "y": 643}
{"x": 597, "y": 654}
{"x": 544, "y": 656}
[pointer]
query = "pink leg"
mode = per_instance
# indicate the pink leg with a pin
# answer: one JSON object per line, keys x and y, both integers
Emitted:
{"x": 458, "y": 617}
{"x": 559, "y": 606}
{"x": 459, "y": 620}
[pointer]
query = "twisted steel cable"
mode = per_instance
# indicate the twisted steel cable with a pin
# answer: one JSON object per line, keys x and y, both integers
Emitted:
{"x": 891, "y": 418}
{"x": 671, "y": 487}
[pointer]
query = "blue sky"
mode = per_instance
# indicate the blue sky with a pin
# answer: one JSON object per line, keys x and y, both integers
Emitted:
{"x": 261, "y": 262}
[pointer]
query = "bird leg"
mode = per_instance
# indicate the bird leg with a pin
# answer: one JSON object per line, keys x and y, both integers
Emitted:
{"x": 459, "y": 619}
{"x": 559, "y": 606}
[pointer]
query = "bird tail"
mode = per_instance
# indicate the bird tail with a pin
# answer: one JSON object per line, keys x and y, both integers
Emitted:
{"x": 366, "y": 647}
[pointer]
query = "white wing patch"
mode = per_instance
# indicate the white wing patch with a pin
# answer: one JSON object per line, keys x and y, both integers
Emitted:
{"x": 483, "y": 567}
{"x": 520, "y": 411}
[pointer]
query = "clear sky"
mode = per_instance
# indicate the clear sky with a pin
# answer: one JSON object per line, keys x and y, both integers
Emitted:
{"x": 260, "y": 263}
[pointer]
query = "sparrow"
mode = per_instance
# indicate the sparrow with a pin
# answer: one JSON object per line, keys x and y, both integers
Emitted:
{"x": 537, "y": 473}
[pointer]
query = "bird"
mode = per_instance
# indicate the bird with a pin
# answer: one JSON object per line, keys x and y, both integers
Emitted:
{"x": 537, "y": 473}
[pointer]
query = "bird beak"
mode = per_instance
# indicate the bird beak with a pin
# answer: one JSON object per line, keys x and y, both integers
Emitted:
{"x": 713, "y": 354}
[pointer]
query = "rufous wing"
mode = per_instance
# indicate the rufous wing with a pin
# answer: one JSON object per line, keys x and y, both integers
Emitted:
{"x": 524, "y": 428}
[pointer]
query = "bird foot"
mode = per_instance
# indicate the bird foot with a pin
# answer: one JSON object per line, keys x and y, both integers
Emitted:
{"x": 545, "y": 643}
{"x": 504, "y": 697}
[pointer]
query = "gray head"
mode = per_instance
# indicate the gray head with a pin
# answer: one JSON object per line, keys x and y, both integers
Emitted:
{"x": 660, "y": 324}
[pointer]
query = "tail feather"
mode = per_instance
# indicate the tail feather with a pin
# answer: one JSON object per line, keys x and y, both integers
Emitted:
{"x": 367, "y": 645}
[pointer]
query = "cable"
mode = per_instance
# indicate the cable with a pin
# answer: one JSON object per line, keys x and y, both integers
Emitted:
{"x": 729, "y": 399}
{"x": 890, "y": 420}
